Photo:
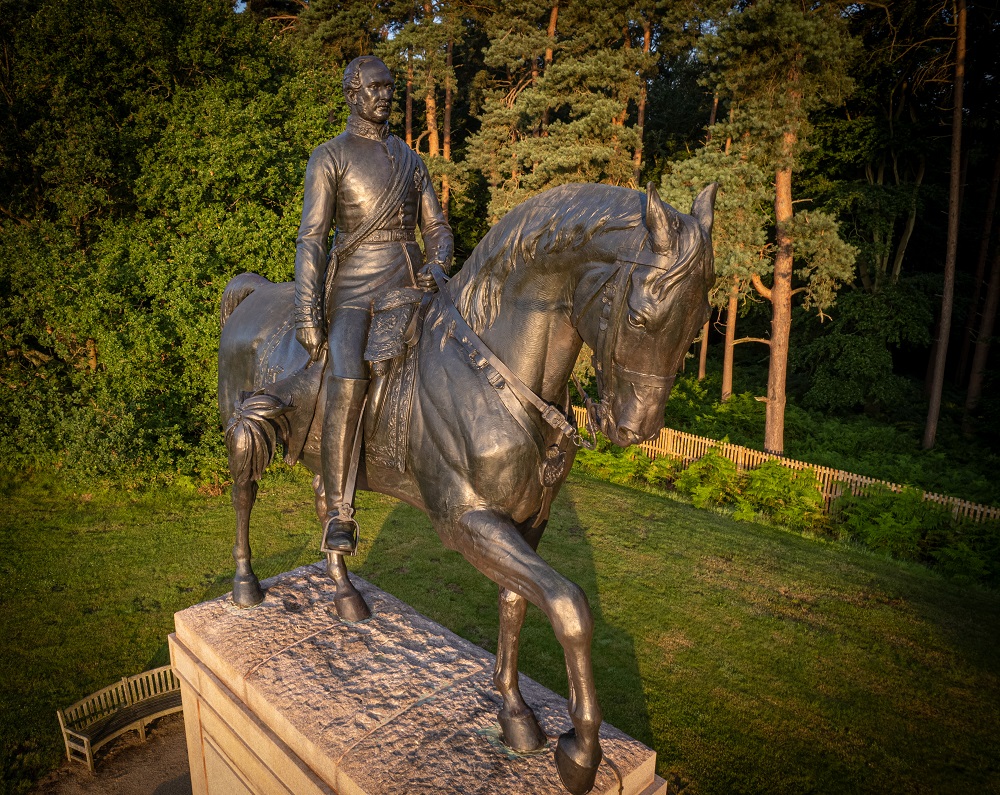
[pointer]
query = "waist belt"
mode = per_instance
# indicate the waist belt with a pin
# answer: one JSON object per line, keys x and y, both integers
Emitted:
{"x": 390, "y": 236}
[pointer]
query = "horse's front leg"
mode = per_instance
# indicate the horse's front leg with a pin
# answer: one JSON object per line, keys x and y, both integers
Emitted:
{"x": 349, "y": 603}
{"x": 517, "y": 721}
{"x": 492, "y": 544}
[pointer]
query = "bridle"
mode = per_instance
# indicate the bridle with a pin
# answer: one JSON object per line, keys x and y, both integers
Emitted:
{"x": 612, "y": 291}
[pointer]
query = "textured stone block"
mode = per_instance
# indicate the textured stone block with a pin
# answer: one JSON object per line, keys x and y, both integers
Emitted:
{"x": 287, "y": 698}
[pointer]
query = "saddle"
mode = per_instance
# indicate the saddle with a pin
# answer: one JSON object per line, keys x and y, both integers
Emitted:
{"x": 391, "y": 351}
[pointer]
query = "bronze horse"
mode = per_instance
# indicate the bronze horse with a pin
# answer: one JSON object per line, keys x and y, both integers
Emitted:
{"x": 626, "y": 274}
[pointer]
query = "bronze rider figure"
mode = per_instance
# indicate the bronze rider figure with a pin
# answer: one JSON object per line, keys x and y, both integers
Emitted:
{"x": 374, "y": 190}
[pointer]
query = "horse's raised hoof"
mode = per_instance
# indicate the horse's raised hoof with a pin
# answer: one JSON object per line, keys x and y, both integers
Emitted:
{"x": 521, "y": 733}
{"x": 577, "y": 776}
{"x": 247, "y": 592}
{"x": 352, "y": 607}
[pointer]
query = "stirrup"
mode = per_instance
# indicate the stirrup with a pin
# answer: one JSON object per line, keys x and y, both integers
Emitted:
{"x": 340, "y": 534}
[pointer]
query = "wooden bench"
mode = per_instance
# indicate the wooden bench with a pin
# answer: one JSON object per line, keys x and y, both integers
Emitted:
{"x": 132, "y": 703}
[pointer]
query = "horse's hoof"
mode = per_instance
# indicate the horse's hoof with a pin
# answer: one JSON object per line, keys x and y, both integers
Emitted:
{"x": 247, "y": 593}
{"x": 352, "y": 607}
{"x": 576, "y": 773}
{"x": 521, "y": 733}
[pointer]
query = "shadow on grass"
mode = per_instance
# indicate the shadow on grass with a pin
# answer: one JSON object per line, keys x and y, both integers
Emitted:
{"x": 406, "y": 558}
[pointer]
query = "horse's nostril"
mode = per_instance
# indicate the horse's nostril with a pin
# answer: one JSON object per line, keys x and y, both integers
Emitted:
{"x": 627, "y": 435}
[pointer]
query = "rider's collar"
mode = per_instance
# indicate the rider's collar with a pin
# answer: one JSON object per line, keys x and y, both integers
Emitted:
{"x": 376, "y": 132}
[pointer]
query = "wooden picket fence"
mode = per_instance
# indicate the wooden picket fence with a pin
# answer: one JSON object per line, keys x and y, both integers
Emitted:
{"x": 833, "y": 482}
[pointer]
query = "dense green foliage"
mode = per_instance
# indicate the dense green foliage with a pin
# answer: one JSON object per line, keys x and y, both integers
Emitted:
{"x": 884, "y": 444}
{"x": 771, "y": 491}
{"x": 906, "y": 527}
{"x": 749, "y": 658}
{"x": 149, "y": 152}
{"x": 899, "y": 524}
{"x": 113, "y": 272}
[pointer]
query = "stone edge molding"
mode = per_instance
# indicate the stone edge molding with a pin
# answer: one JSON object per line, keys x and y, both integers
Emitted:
{"x": 286, "y": 697}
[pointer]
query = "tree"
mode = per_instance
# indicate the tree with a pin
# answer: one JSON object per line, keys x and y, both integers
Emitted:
{"x": 743, "y": 216}
{"x": 983, "y": 340}
{"x": 559, "y": 82}
{"x": 174, "y": 168}
{"x": 951, "y": 253}
{"x": 870, "y": 159}
{"x": 779, "y": 61}
{"x": 334, "y": 32}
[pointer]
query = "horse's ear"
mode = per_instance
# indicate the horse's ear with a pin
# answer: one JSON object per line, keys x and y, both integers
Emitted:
{"x": 662, "y": 221}
{"x": 704, "y": 207}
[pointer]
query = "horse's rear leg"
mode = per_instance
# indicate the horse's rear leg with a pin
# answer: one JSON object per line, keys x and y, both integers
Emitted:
{"x": 517, "y": 721}
{"x": 493, "y": 545}
{"x": 349, "y": 603}
{"x": 246, "y": 587}
{"x": 251, "y": 438}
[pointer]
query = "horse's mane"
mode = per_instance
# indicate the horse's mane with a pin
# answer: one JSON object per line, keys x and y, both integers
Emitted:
{"x": 564, "y": 218}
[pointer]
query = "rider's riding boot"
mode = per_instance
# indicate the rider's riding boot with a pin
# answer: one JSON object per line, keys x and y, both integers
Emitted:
{"x": 344, "y": 400}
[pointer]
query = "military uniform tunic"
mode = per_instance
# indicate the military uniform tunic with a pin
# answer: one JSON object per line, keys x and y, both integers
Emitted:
{"x": 347, "y": 179}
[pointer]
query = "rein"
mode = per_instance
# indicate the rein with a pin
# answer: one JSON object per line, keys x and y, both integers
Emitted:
{"x": 481, "y": 357}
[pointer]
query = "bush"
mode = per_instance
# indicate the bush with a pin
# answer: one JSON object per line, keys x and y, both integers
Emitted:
{"x": 712, "y": 480}
{"x": 786, "y": 496}
{"x": 901, "y": 524}
{"x": 907, "y": 527}
{"x": 614, "y": 464}
{"x": 662, "y": 472}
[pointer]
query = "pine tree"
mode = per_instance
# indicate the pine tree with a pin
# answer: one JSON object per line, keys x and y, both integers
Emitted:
{"x": 951, "y": 251}
{"x": 559, "y": 83}
{"x": 743, "y": 214}
{"x": 776, "y": 61}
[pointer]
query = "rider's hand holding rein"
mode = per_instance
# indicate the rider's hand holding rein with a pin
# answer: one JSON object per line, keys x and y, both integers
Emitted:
{"x": 312, "y": 339}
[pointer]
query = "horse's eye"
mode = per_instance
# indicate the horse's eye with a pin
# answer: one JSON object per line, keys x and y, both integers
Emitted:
{"x": 636, "y": 320}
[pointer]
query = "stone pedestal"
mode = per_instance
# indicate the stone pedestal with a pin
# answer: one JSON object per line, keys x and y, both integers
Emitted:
{"x": 287, "y": 698}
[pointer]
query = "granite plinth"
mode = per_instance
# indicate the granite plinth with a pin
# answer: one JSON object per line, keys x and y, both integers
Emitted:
{"x": 286, "y": 697}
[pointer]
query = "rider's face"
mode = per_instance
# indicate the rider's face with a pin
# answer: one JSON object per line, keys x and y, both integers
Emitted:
{"x": 373, "y": 101}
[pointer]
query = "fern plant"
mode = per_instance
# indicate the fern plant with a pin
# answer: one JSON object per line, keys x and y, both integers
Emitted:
{"x": 789, "y": 497}
{"x": 712, "y": 480}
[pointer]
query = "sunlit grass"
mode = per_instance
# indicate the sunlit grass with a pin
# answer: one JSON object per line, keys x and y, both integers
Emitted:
{"x": 751, "y": 659}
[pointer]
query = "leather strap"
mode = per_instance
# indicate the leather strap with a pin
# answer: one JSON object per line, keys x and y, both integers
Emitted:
{"x": 390, "y": 236}
{"x": 502, "y": 375}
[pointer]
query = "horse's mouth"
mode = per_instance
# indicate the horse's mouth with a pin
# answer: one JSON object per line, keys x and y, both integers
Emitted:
{"x": 622, "y": 437}
{"x": 618, "y": 433}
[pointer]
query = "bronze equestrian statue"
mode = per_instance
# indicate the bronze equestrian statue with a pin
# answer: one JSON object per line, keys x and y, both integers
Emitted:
{"x": 467, "y": 414}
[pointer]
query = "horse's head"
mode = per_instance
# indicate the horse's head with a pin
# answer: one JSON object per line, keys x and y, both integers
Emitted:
{"x": 641, "y": 317}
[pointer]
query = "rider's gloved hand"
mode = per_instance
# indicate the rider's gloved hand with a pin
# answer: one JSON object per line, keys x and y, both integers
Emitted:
{"x": 425, "y": 280}
{"x": 312, "y": 339}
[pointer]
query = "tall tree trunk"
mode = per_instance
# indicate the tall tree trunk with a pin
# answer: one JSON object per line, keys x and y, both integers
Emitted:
{"x": 647, "y": 43}
{"x": 982, "y": 354}
{"x": 549, "y": 54}
{"x": 984, "y": 250}
{"x": 712, "y": 115}
{"x": 703, "y": 351}
{"x": 430, "y": 105}
{"x": 430, "y": 99}
{"x": 781, "y": 307}
{"x": 948, "y": 297}
{"x": 730, "y": 346}
{"x": 553, "y": 17}
{"x": 448, "y": 100}
{"x": 409, "y": 97}
{"x": 911, "y": 222}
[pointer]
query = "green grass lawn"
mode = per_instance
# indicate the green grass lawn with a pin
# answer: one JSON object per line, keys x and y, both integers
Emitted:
{"x": 751, "y": 659}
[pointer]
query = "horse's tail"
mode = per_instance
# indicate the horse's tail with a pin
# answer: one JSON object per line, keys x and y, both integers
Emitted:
{"x": 239, "y": 287}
